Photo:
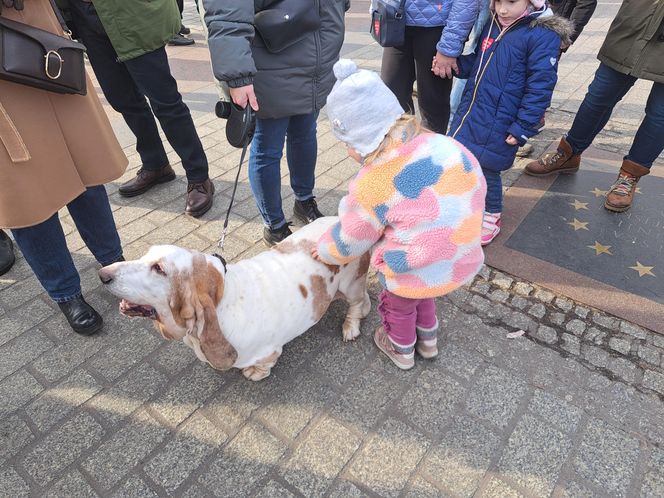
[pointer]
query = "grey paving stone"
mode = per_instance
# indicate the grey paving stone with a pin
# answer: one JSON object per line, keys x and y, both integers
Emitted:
{"x": 73, "y": 485}
{"x": 648, "y": 354}
{"x": 345, "y": 489}
{"x": 61, "y": 447}
{"x": 117, "y": 456}
{"x": 365, "y": 399}
{"x": 557, "y": 318}
{"x": 196, "y": 491}
{"x": 571, "y": 344}
{"x": 21, "y": 351}
{"x": 274, "y": 490}
{"x": 481, "y": 286}
{"x": 595, "y": 356}
{"x": 653, "y": 485}
{"x": 14, "y": 434}
{"x": 457, "y": 360}
{"x": 17, "y": 390}
{"x": 544, "y": 295}
{"x": 481, "y": 304}
{"x": 605, "y": 321}
{"x": 496, "y": 396}
{"x": 430, "y": 403}
{"x": 519, "y": 302}
{"x": 63, "y": 359}
{"x": 320, "y": 457}
{"x": 173, "y": 357}
{"x": 497, "y": 488}
{"x": 534, "y": 455}
{"x": 576, "y": 327}
{"x": 653, "y": 380}
{"x": 26, "y": 318}
{"x": 607, "y": 457}
{"x": 134, "y": 487}
{"x": 499, "y": 296}
{"x": 127, "y": 395}
{"x": 502, "y": 281}
{"x": 576, "y": 490}
{"x": 188, "y": 393}
{"x": 295, "y": 403}
{"x": 56, "y": 402}
{"x": 521, "y": 321}
{"x": 546, "y": 334}
{"x": 11, "y": 484}
{"x": 620, "y": 345}
{"x": 537, "y": 310}
{"x": 342, "y": 362}
{"x": 195, "y": 440}
{"x": 485, "y": 272}
{"x": 657, "y": 340}
{"x": 632, "y": 330}
{"x": 624, "y": 369}
{"x": 130, "y": 348}
{"x": 555, "y": 411}
{"x": 247, "y": 459}
{"x": 581, "y": 311}
{"x": 386, "y": 461}
{"x": 564, "y": 304}
{"x": 421, "y": 488}
{"x": 462, "y": 457}
{"x": 523, "y": 289}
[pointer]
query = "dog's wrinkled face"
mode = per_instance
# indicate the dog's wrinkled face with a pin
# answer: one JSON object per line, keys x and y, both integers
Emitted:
{"x": 180, "y": 290}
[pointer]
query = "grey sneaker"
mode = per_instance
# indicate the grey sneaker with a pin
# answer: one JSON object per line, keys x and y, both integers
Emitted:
{"x": 405, "y": 361}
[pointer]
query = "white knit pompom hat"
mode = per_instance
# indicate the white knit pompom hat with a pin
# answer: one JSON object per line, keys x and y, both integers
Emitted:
{"x": 360, "y": 107}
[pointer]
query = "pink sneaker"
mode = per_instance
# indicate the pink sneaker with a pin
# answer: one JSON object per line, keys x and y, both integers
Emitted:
{"x": 404, "y": 360}
{"x": 490, "y": 227}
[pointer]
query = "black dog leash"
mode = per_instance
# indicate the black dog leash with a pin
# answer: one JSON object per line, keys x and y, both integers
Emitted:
{"x": 239, "y": 132}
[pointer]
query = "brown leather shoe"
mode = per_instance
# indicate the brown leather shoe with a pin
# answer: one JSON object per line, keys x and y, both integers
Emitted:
{"x": 145, "y": 180}
{"x": 562, "y": 161}
{"x": 621, "y": 193}
{"x": 199, "y": 198}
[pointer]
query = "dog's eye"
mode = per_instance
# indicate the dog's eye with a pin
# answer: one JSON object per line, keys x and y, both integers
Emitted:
{"x": 159, "y": 269}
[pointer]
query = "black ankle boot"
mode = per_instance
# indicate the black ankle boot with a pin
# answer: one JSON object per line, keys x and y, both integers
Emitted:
{"x": 272, "y": 237}
{"x": 81, "y": 316}
{"x": 7, "y": 257}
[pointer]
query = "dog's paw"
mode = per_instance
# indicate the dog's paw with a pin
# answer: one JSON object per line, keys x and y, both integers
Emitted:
{"x": 350, "y": 330}
{"x": 256, "y": 373}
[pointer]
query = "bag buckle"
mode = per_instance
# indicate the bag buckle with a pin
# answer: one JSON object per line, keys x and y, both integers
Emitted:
{"x": 46, "y": 60}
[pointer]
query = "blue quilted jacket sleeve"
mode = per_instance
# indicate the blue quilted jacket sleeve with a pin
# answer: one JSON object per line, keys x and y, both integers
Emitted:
{"x": 462, "y": 16}
{"x": 543, "y": 49}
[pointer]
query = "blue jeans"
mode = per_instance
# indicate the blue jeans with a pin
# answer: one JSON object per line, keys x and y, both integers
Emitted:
{"x": 126, "y": 86}
{"x": 459, "y": 85}
{"x": 267, "y": 147}
{"x": 606, "y": 90}
{"x": 45, "y": 248}
{"x": 494, "y": 191}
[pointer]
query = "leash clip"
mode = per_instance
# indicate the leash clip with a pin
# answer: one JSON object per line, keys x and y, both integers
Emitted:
{"x": 220, "y": 244}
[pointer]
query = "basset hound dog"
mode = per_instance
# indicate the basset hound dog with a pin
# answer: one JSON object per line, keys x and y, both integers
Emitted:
{"x": 240, "y": 316}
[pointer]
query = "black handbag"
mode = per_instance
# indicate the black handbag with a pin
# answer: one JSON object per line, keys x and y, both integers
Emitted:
{"x": 41, "y": 59}
{"x": 286, "y": 22}
{"x": 388, "y": 22}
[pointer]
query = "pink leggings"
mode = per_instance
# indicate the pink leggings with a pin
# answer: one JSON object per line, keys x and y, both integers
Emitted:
{"x": 401, "y": 316}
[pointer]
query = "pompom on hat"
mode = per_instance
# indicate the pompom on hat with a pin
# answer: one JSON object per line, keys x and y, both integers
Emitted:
{"x": 361, "y": 109}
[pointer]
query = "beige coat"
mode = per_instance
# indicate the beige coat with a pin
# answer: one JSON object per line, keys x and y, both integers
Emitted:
{"x": 52, "y": 146}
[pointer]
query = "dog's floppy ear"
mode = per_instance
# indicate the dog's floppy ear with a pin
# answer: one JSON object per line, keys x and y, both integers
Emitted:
{"x": 209, "y": 287}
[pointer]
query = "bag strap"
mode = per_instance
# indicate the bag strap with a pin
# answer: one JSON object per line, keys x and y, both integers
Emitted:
{"x": 11, "y": 138}
{"x": 61, "y": 19}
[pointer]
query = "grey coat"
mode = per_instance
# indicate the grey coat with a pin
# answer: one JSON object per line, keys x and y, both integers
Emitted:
{"x": 294, "y": 81}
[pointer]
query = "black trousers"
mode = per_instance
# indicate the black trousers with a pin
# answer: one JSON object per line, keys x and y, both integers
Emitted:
{"x": 126, "y": 86}
{"x": 400, "y": 68}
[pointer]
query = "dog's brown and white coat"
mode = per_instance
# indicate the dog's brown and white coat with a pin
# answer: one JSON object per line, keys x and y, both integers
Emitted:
{"x": 243, "y": 315}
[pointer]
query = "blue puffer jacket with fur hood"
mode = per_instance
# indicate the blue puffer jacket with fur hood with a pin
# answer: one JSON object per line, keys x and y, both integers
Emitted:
{"x": 458, "y": 17}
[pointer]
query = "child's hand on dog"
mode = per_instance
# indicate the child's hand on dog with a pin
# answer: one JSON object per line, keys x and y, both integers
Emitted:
{"x": 314, "y": 254}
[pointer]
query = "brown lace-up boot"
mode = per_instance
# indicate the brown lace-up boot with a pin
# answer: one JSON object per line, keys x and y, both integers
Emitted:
{"x": 621, "y": 193}
{"x": 562, "y": 160}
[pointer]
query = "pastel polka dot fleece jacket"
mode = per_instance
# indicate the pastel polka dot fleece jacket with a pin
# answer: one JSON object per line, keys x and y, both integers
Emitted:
{"x": 419, "y": 204}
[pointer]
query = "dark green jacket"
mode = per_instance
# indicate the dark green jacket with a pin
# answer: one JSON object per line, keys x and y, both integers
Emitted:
{"x": 635, "y": 42}
{"x": 136, "y": 27}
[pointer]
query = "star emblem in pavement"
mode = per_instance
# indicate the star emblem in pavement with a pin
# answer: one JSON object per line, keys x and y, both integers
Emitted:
{"x": 579, "y": 205}
{"x": 578, "y": 225}
{"x": 642, "y": 269}
{"x": 601, "y": 249}
{"x": 599, "y": 193}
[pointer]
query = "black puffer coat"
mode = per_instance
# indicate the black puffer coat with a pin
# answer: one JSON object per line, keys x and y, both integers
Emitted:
{"x": 294, "y": 81}
{"x": 577, "y": 11}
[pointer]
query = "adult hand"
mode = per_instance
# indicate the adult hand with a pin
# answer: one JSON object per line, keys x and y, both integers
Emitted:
{"x": 444, "y": 66}
{"x": 511, "y": 140}
{"x": 243, "y": 94}
{"x": 16, "y": 4}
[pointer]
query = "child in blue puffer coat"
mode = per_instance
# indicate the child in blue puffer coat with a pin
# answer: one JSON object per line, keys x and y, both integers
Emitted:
{"x": 511, "y": 77}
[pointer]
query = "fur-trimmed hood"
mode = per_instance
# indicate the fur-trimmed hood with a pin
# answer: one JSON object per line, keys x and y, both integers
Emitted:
{"x": 559, "y": 25}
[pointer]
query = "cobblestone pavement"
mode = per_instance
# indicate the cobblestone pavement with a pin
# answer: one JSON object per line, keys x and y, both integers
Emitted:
{"x": 572, "y": 408}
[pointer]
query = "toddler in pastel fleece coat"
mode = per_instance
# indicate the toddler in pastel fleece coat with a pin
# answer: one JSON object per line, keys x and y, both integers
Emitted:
{"x": 416, "y": 203}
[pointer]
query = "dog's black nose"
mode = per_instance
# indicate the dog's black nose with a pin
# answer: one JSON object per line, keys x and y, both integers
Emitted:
{"x": 105, "y": 276}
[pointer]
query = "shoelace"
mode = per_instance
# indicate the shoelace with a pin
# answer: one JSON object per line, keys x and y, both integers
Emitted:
{"x": 624, "y": 185}
{"x": 197, "y": 186}
{"x": 490, "y": 221}
{"x": 552, "y": 158}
